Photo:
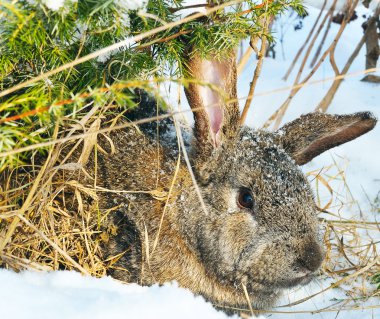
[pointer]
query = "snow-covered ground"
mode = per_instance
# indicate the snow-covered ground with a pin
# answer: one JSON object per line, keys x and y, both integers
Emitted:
{"x": 70, "y": 295}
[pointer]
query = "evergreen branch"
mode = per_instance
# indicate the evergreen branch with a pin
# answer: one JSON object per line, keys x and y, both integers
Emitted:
{"x": 118, "y": 86}
{"x": 259, "y": 6}
{"x": 58, "y": 47}
{"x": 117, "y": 46}
{"x": 163, "y": 40}
{"x": 193, "y": 6}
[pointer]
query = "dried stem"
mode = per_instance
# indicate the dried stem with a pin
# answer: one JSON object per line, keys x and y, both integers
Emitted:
{"x": 257, "y": 72}
{"x": 319, "y": 49}
{"x": 327, "y": 99}
{"x": 278, "y": 115}
{"x": 244, "y": 59}
{"x": 305, "y": 43}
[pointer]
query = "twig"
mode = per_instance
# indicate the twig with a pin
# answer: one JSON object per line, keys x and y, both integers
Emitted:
{"x": 257, "y": 72}
{"x": 305, "y": 43}
{"x": 327, "y": 99}
{"x": 278, "y": 115}
{"x": 169, "y": 193}
{"x": 248, "y": 300}
{"x": 319, "y": 49}
{"x": 259, "y": 6}
{"x": 162, "y": 40}
{"x": 187, "y": 161}
{"x": 193, "y": 6}
{"x": 244, "y": 59}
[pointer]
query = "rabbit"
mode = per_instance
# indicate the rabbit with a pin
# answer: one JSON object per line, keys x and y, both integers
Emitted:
{"x": 255, "y": 229}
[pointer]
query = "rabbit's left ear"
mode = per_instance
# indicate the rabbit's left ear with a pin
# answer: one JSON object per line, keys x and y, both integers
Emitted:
{"x": 212, "y": 97}
{"x": 314, "y": 133}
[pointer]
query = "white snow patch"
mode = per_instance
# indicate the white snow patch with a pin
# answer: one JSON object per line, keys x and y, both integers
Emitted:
{"x": 132, "y": 4}
{"x": 374, "y": 4}
{"x": 340, "y": 5}
{"x": 186, "y": 12}
{"x": 54, "y": 5}
{"x": 106, "y": 56}
{"x": 65, "y": 294}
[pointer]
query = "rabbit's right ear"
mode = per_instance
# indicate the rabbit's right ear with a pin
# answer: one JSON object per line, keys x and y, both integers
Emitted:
{"x": 313, "y": 133}
{"x": 212, "y": 97}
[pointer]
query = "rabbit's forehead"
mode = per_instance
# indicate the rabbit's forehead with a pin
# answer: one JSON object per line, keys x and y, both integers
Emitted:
{"x": 257, "y": 161}
{"x": 260, "y": 151}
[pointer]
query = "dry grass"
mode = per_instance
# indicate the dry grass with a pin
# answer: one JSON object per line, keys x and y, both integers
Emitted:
{"x": 349, "y": 236}
{"x": 46, "y": 221}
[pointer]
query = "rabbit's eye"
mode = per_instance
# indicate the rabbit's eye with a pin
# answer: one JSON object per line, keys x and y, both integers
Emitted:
{"x": 245, "y": 198}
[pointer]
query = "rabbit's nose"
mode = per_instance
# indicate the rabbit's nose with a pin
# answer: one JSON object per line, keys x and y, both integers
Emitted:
{"x": 311, "y": 257}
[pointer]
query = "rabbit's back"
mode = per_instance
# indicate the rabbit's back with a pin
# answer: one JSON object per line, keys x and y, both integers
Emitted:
{"x": 131, "y": 162}
{"x": 135, "y": 170}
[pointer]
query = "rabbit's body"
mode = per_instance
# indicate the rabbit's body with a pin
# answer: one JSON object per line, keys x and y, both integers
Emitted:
{"x": 258, "y": 230}
{"x": 214, "y": 252}
{"x": 139, "y": 214}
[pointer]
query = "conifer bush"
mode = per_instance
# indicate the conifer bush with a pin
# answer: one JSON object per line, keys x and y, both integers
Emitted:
{"x": 37, "y": 36}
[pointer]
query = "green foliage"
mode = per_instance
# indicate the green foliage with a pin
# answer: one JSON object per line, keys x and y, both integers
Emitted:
{"x": 376, "y": 203}
{"x": 376, "y": 280}
{"x": 35, "y": 39}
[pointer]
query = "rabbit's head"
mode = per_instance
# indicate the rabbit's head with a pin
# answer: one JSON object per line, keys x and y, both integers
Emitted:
{"x": 260, "y": 227}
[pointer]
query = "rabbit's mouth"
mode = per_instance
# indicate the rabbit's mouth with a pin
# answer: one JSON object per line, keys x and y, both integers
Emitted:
{"x": 303, "y": 276}
{"x": 302, "y": 279}
{"x": 306, "y": 279}
{"x": 284, "y": 283}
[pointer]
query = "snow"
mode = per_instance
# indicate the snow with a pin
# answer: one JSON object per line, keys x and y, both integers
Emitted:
{"x": 70, "y": 295}
{"x": 340, "y": 5}
{"x": 125, "y": 6}
{"x": 65, "y": 294}
{"x": 54, "y": 4}
{"x": 374, "y": 4}
{"x": 131, "y": 4}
